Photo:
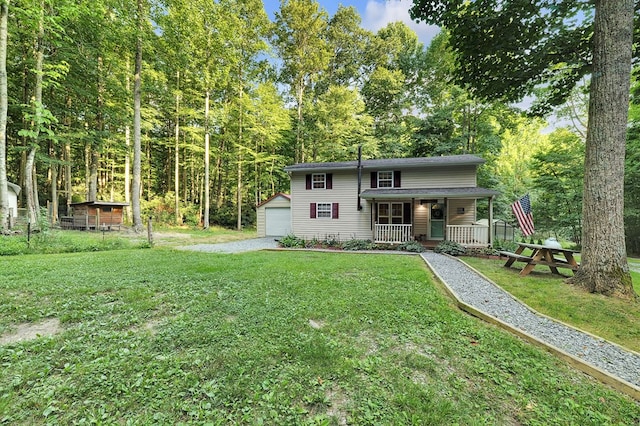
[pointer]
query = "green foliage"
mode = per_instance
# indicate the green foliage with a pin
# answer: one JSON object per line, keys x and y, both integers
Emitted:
{"x": 54, "y": 241}
{"x": 412, "y": 246}
{"x": 558, "y": 174}
{"x": 291, "y": 241}
{"x": 354, "y": 245}
{"x": 505, "y": 245}
{"x": 227, "y": 215}
{"x": 553, "y": 40}
{"x": 449, "y": 247}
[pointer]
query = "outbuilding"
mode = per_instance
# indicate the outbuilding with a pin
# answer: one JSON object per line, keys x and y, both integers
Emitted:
{"x": 14, "y": 191}
{"x": 95, "y": 215}
{"x": 273, "y": 216}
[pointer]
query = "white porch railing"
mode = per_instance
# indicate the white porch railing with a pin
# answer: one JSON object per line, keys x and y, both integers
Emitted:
{"x": 393, "y": 233}
{"x": 469, "y": 235}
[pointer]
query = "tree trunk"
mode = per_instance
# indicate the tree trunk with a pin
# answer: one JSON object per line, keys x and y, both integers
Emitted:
{"x": 137, "y": 145}
{"x": 207, "y": 201}
{"x": 4, "y": 190}
{"x": 127, "y": 160}
{"x": 31, "y": 189}
{"x": 94, "y": 159}
{"x": 604, "y": 268}
{"x": 176, "y": 171}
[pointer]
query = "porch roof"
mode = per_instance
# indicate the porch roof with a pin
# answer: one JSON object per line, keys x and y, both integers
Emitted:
{"x": 470, "y": 192}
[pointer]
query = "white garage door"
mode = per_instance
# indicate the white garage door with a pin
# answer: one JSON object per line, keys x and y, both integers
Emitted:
{"x": 278, "y": 221}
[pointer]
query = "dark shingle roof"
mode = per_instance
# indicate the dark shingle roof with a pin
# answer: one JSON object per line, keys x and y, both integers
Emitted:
{"x": 449, "y": 160}
{"x": 428, "y": 193}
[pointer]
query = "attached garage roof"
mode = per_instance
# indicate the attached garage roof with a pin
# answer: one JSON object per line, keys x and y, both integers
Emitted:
{"x": 279, "y": 194}
{"x": 470, "y": 192}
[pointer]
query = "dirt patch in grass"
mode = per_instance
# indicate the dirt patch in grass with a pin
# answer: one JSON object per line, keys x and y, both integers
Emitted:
{"x": 30, "y": 331}
{"x": 337, "y": 409}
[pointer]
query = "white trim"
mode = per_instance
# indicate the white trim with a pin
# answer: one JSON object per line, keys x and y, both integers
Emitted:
{"x": 324, "y": 181}
{"x": 390, "y": 180}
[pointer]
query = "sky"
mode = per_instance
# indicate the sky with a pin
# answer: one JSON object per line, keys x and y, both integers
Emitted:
{"x": 375, "y": 14}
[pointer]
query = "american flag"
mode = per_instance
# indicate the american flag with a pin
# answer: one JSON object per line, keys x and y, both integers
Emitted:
{"x": 522, "y": 210}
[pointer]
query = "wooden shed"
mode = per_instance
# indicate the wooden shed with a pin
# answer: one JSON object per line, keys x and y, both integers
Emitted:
{"x": 273, "y": 216}
{"x": 95, "y": 215}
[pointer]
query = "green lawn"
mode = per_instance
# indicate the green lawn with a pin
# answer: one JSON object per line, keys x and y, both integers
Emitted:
{"x": 615, "y": 320}
{"x": 166, "y": 337}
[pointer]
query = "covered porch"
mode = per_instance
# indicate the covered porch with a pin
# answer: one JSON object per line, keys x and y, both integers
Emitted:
{"x": 429, "y": 215}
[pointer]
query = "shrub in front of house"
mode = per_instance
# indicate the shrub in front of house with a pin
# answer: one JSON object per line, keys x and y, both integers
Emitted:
{"x": 291, "y": 241}
{"x": 412, "y": 246}
{"x": 354, "y": 245}
{"x": 450, "y": 247}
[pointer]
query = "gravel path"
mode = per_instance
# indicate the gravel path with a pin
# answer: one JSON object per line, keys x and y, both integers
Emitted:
{"x": 472, "y": 289}
{"x": 234, "y": 246}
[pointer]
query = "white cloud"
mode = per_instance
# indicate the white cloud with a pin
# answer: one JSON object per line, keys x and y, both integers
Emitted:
{"x": 380, "y": 13}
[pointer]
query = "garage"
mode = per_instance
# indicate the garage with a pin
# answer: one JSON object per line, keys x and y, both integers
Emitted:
{"x": 274, "y": 216}
{"x": 277, "y": 221}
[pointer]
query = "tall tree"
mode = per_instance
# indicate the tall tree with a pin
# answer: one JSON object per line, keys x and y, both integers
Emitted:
{"x": 4, "y": 191}
{"x": 521, "y": 44}
{"x": 136, "y": 182}
{"x": 300, "y": 40}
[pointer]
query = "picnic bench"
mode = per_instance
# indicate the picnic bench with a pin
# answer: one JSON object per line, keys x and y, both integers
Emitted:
{"x": 541, "y": 255}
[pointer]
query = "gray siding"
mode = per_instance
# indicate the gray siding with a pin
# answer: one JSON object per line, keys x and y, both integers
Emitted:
{"x": 354, "y": 223}
{"x": 351, "y": 222}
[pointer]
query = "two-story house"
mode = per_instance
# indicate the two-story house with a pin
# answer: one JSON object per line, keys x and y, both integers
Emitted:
{"x": 390, "y": 200}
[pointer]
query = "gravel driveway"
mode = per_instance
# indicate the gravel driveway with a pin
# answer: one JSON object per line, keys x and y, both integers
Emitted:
{"x": 235, "y": 246}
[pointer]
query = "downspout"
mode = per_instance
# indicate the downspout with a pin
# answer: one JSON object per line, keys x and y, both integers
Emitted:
{"x": 491, "y": 236}
{"x": 359, "y": 175}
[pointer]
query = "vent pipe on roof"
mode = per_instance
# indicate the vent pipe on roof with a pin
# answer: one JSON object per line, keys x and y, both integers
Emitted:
{"x": 359, "y": 175}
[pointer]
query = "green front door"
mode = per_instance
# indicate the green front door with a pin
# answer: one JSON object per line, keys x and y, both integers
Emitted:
{"x": 436, "y": 228}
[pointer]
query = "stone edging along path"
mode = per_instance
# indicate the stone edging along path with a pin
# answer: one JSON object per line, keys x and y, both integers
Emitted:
{"x": 476, "y": 294}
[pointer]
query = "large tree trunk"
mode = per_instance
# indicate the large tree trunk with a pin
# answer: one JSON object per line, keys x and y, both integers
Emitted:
{"x": 137, "y": 144}
{"x": 207, "y": 200}
{"x": 30, "y": 189}
{"x": 4, "y": 190}
{"x": 176, "y": 170}
{"x": 30, "y": 177}
{"x": 604, "y": 267}
{"x": 127, "y": 160}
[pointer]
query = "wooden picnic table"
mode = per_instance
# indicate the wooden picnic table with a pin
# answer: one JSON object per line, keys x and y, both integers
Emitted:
{"x": 552, "y": 257}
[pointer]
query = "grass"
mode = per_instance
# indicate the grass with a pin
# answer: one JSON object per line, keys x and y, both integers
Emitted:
{"x": 613, "y": 319}
{"x": 166, "y": 337}
{"x": 65, "y": 241}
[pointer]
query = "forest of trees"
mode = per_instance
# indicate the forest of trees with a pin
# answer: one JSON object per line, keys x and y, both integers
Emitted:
{"x": 228, "y": 97}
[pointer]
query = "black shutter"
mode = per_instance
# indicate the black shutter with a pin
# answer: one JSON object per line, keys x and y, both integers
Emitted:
{"x": 406, "y": 213}
{"x": 329, "y": 181}
{"x": 374, "y": 179}
{"x": 312, "y": 210}
{"x": 308, "y": 179}
{"x": 334, "y": 211}
{"x": 396, "y": 179}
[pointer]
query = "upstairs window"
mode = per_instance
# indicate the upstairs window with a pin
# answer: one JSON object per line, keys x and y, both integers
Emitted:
{"x": 385, "y": 179}
{"x": 319, "y": 181}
